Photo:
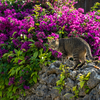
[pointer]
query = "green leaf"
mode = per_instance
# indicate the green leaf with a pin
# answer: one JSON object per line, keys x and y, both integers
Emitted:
{"x": 13, "y": 72}
{"x": 41, "y": 50}
{"x": 58, "y": 82}
{"x": 16, "y": 60}
{"x": 12, "y": 69}
{"x": 31, "y": 80}
{"x": 45, "y": 63}
{"x": 58, "y": 88}
{"x": 14, "y": 89}
{"x": 35, "y": 79}
{"x": 31, "y": 28}
{"x": 81, "y": 77}
{"x": 24, "y": 93}
{"x": 2, "y": 87}
{"x": 37, "y": 24}
{"x": 62, "y": 78}
{"x": 34, "y": 73}
{"x": 31, "y": 40}
{"x": 35, "y": 54}
{"x": 86, "y": 78}
{"x": 17, "y": 69}
{"x": 22, "y": 62}
{"x": 25, "y": 37}
{"x": 87, "y": 91}
{"x": 74, "y": 88}
{"x": 16, "y": 51}
{"x": 10, "y": 88}
{"x": 82, "y": 83}
{"x": 49, "y": 54}
{"x": 5, "y": 55}
{"x": 14, "y": 33}
{"x": 28, "y": 66}
{"x": 6, "y": 82}
{"x": 0, "y": 93}
{"x": 88, "y": 75}
{"x": 9, "y": 94}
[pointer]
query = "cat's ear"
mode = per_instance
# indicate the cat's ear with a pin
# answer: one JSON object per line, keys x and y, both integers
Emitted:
{"x": 57, "y": 40}
{"x": 49, "y": 40}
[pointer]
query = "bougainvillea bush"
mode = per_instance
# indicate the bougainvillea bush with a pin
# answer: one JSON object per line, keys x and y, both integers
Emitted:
{"x": 24, "y": 29}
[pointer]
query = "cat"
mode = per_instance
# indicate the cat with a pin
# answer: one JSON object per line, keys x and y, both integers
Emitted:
{"x": 74, "y": 47}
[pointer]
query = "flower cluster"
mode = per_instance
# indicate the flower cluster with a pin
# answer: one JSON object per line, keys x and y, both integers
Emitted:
{"x": 26, "y": 87}
{"x": 21, "y": 80}
{"x": 11, "y": 81}
{"x": 40, "y": 35}
{"x": 54, "y": 35}
{"x": 56, "y": 54}
{"x": 25, "y": 46}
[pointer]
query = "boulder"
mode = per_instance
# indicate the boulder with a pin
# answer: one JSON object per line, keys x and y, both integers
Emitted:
{"x": 49, "y": 75}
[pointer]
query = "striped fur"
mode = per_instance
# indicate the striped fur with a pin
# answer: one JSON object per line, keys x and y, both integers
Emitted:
{"x": 74, "y": 47}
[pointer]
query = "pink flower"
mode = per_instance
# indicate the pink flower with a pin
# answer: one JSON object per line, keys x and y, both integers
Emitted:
{"x": 26, "y": 87}
{"x": 81, "y": 10}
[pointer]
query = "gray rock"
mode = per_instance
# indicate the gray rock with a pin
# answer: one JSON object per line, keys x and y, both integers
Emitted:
{"x": 48, "y": 97}
{"x": 57, "y": 63}
{"x": 69, "y": 84}
{"x": 44, "y": 89}
{"x": 73, "y": 75}
{"x": 98, "y": 64}
{"x": 21, "y": 98}
{"x": 82, "y": 92}
{"x": 28, "y": 98}
{"x": 53, "y": 70}
{"x": 44, "y": 69}
{"x": 95, "y": 93}
{"x": 79, "y": 98}
{"x": 55, "y": 94}
{"x": 69, "y": 63}
{"x": 43, "y": 78}
{"x": 93, "y": 80}
{"x": 40, "y": 93}
{"x": 86, "y": 97}
{"x": 57, "y": 98}
{"x": 88, "y": 69}
{"x": 34, "y": 97}
{"x": 51, "y": 80}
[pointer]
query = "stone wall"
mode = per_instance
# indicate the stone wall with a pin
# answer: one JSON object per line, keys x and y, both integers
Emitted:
{"x": 45, "y": 88}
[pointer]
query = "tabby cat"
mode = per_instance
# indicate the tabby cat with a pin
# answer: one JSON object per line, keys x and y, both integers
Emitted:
{"x": 74, "y": 47}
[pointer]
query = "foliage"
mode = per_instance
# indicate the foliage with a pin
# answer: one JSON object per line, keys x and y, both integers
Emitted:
{"x": 20, "y": 69}
{"x": 24, "y": 28}
{"x": 96, "y": 5}
{"x": 82, "y": 81}
{"x": 64, "y": 74}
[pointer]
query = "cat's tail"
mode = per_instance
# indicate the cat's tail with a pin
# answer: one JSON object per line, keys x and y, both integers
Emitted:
{"x": 89, "y": 54}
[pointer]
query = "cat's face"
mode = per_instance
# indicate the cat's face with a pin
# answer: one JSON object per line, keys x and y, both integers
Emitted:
{"x": 53, "y": 44}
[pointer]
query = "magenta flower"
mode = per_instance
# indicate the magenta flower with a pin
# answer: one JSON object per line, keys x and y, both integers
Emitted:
{"x": 25, "y": 45}
{"x": 21, "y": 80}
{"x": 40, "y": 35}
{"x": 11, "y": 81}
{"x": 39, "y": 44}
{"x": 81, "y": 10}
{"x": 3, "y": 37}
{"x": 26, "y": 87}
